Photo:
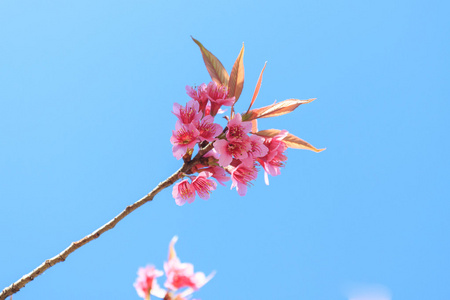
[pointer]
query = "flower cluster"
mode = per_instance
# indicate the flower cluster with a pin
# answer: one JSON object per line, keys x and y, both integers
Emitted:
{"x": 232, "y": 152}
{"x": 181, "y": 280}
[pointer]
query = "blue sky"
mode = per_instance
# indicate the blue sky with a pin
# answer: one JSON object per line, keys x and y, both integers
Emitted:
{"x": 86, "y": 91}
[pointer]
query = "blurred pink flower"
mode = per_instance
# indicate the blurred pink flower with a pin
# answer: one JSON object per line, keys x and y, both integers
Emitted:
{"x": 183, "y": 191}
{"x": 180, "y": 275}
{"x": 146, "y": 281}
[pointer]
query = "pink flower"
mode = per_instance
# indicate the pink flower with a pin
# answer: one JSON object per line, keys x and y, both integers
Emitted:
{"x": 146, "y": 281}
{"x": 208, "y": 110}
{"x": 203, "y": 186}
{"x": 238, "y": 130}
{"x": 180, "y": 275}
{"x": 217, "y": 94}
{"x": 208, "y": 129}
{"x": 187, "y": 114}
{"x": 199, "y": 95}
{"x": 212, "y": 153}
{"x": 274, "y": 160}
{"x": 241, "y": 177}
{"x": 184, "y": 137}
{"x": 257, "y": 149}
{"x": 182, "y": 192}
{"x": 219, "y": 174}
{"x": 228, "y": 150}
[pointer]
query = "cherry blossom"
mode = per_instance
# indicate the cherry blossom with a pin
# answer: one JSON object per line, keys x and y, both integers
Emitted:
{"x": 198, "y": 94}
{"x": 274, "y": 160}
{"x": 217, "y": 94}
{"x": 232, "y": 150}
{"x": 180, "y": 275}
{"x": 238, "y": 130}
{"x": 228, "y": 150}
{"x": 219, "y": 174}
{"x": 208, "y": 130}
{"x": 241, "y": 177}
{"x": 184, "y": 137}
{"x": 203, "y": 186}
{"x": 187, "y": 114}
{"x": 182, "y": 192}
{"x": 257, "y": 149}
{"x": 181, "y": 280}
{"x": 146, "y": 281}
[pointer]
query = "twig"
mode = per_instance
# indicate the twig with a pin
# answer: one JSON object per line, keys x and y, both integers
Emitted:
{"x": 16, "y": 286}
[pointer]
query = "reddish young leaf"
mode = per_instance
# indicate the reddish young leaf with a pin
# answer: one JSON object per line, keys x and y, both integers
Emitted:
{"x": 278, "y": 109}
{"x": 249, "y": 116}
{"x": 236, "y": 81}
{"x": 254, "y": 126}
{"x": 258, "y": 86}
{"x": 291, "y": 140}
{"x": 213, "y": 65}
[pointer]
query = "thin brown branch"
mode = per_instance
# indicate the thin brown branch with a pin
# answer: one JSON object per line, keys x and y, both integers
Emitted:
{"x": 16, "y": 286}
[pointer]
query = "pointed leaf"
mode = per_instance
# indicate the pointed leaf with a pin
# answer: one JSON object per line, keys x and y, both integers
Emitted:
{"x": 236, "y": 81}
{"x": 254, "y": 126}
{"x": 249, "y": 116}
{"x": 291, "y": 140}
{"x": 278, "y": 109}
{"x": 213, "y": 65}
{"x": 258, "y": 86}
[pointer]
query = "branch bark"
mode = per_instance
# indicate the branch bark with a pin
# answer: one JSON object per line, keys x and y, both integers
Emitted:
{"x": 16, "y": 286}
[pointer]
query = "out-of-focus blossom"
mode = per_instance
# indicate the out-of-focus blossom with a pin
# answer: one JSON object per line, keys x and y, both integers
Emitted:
{"x": 181, "y": 281}
{"x": 146, "y": 281}
{"x": 180, "y": 275}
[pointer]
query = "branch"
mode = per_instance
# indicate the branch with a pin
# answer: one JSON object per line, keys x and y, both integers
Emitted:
{"x": 16, "y": 286}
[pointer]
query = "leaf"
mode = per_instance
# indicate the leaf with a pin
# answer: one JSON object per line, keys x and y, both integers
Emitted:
{"x": 258, "y": 86}
{"x": 249, "y": 116}
{"x": 278, "y": 109}
{"x": 213, "y": 65}
{"x": 291, "y": 140}
{"x": 254, "y": 126}
{"x": 236, "y": 81}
